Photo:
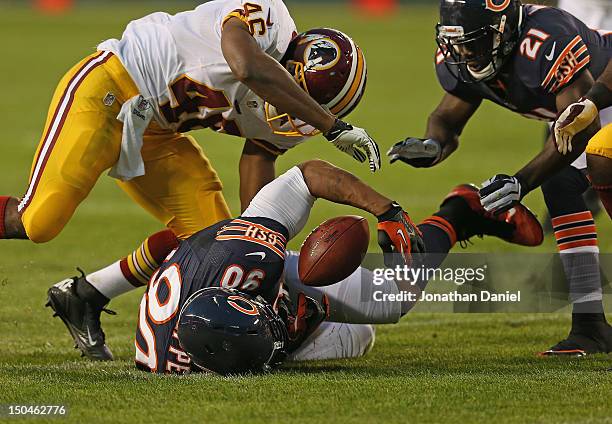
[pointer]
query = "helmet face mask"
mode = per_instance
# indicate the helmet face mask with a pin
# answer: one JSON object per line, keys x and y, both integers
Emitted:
{"x": 331, "y": 68}
{"x": 282, "y": 123}
{"x": 476, "y": 54}
{"x": 476, "y": 41}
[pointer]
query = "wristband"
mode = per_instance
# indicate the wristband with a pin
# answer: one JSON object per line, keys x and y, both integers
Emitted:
{"x": 337, "y": 129}
{"x": 391, "y": 213}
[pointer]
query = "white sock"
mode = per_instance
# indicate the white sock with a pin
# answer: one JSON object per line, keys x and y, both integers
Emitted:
{"x": 110, "y": 281}
{"x": 582, "y": 272}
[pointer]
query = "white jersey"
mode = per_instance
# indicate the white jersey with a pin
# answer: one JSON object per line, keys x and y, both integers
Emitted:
{"x": 177, "y": 64}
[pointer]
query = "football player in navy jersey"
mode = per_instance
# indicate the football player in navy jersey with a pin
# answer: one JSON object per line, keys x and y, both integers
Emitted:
{"x": 535, "y": 61}
{"x": 248, "y": 254}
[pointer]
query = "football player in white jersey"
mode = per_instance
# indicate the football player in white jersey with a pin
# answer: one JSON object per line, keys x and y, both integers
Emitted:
{"x": 233, "y": 66}
{"x": 575, "y": 119}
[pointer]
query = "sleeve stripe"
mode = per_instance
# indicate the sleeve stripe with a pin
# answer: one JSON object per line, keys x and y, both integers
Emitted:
{"x": 560, "y": 59}
{"x": 569, "y": 77}
{"x": 235, "y": 14}
{"x": 581, "y": 50}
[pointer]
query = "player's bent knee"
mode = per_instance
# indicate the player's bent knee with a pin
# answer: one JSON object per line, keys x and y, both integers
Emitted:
{"x": 39, "y": 233}
{"x": 567, "y": 182}
{"x": 45, "y": 219}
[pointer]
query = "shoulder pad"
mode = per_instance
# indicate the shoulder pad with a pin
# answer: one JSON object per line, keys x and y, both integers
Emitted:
{"x": 551, "y": 52}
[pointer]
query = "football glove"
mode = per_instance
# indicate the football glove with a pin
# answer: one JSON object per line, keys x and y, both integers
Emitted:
{"x": 302, "y": 317}
{"x": 416, "y": 152}
{"x": 575, "y": 119}
{"x": 355, "y": 142}
{"x": 501, "y": 193}
{"x": 397, "y": 235}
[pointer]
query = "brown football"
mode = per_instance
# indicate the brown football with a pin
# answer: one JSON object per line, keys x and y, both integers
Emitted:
{"x": 334, "y": 250}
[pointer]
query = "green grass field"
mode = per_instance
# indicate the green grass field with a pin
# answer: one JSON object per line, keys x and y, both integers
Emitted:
{"x": 429, "y": 368}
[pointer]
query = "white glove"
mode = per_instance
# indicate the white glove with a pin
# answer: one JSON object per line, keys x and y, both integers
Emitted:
{"x": 500, "y": 193}
{"x": 416, "y": 152}
{"x": 575, "y": 119}
{"x": 355, "y": 142}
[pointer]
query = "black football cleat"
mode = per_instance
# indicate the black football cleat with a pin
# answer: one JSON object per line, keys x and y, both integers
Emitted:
{"x": 517, "y": 226}
{"x": 81, "y": 319}
{"x": 584, "y": 340}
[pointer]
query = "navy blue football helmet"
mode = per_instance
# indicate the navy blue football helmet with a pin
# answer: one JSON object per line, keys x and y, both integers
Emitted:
{"x": 477, "y": 36}
{"x": 229, "y": 332}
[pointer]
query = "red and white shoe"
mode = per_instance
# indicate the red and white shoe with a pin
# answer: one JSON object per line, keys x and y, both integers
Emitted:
{"x": 518, "y": 225}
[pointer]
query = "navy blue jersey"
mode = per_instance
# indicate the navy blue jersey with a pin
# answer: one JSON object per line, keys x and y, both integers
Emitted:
{"x": 553, "y": 50}
{"x": 247, "y": 254}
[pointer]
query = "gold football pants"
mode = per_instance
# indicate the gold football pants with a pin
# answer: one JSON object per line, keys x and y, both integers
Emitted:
{"x": 601, "y": 144}
{"x": 82, "y": 139}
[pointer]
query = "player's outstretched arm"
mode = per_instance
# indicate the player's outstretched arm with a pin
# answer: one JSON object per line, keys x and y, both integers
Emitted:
{"x": 502, "y": 192}
{"x": 273, "y": 83}
{"x": 578, "y": 116}
{"x": 396, "y": 231}
{"x": 257, "y": 169}
{"x": 326, "y": 181}
{"x": 444, "y": 127}
{"x": 550, "y": 161}
{"x": 267, "y": 77}
{"x": 290, "y": 198}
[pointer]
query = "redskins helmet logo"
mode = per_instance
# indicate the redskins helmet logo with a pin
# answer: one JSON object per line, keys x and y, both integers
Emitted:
{"x": 243, "y": 305}
{"x": 321, "y": 53}
{"x": 497, "y": 5}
